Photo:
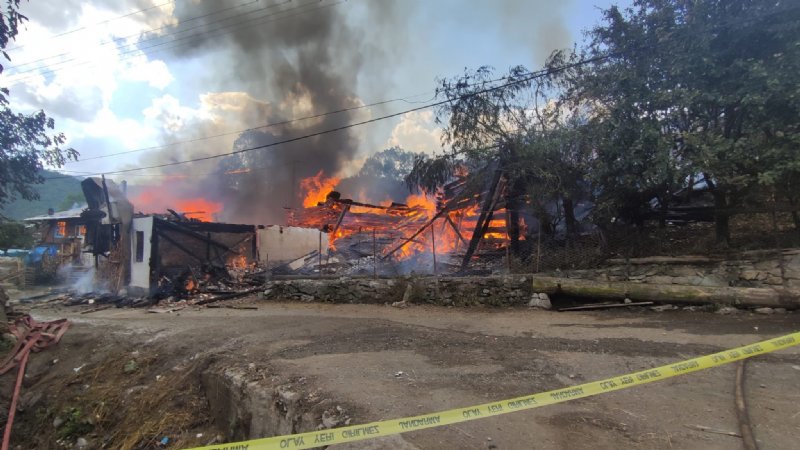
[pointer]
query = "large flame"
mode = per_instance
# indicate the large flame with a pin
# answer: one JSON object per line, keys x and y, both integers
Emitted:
{"x": 353, "y": 227}
{"x": 316, "y": 189}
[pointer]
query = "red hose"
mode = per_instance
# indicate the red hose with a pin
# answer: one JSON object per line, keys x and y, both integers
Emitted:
{"x": 31, "y": 336}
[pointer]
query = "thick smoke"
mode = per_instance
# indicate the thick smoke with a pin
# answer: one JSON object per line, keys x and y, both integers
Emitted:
{"x": 303, "y": 60}
{"x": 274, "y": 60}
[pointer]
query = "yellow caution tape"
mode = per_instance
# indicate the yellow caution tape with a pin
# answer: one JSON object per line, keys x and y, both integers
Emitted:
{"x": 396, "y": 426}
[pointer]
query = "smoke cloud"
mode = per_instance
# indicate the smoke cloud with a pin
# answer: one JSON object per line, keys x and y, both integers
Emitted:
{"x": 274, "y": 60}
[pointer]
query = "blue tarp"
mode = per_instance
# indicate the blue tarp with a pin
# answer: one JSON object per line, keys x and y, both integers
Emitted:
{"x": 35, "y": 256}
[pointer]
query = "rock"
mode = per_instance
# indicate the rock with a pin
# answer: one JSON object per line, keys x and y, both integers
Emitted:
{"x": 659, "y": 279}
{"x": 751, "y": 275}
{"x": 306, "y": 298}
{"x": 627, "y": 300}
{"x": 540, "y": 300}
{"x": 407, "y": 294}
{"x": 765, "y": 310}
{"x": 401, "y": 304}
{"x": 57, "y": 422}
{"x": 780, "y": 310}
{"x": 81, "y": 443}
{"x": 29, "y": 400}
{"x": 662, "y": 308}
{"x": 727, "y": 310}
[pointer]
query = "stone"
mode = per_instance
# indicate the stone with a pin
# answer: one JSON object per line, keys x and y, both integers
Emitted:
{"x": 662, "y": 308}
{"x": 82, "y": 443}
{"x": 540, "y": 300}
{"x": 765, "y": 310}
{"x": 775, "y": 281}
{"x": 727, "y": 310}
{"x": 627, "y": 300}
{"x": 306, "y": 298}
{"x": 659, "y": 279}
{"x": 408, "y": 293}
{"x": 780, "y": 310}
{"x": 751, "y": 275}
{"x": 57, "y": 422}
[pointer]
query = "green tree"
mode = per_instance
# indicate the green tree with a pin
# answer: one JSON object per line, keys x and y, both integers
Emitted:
{"x": 487, "y": 123}
{"x": 26, "y": 140}
{"x": 393, "y": 163}
{"x": 693, "y": 88}
{"x": 14, "y": 235}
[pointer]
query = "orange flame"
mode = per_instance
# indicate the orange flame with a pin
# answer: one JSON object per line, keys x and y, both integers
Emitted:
{"x": 317, "y": 188}
{"x": 158, "y": 199}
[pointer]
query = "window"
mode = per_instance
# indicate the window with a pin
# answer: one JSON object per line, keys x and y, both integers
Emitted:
{"x": 81, "y": 230}
{"x": 139, "y": 246}
{"x": 61, "y": 229}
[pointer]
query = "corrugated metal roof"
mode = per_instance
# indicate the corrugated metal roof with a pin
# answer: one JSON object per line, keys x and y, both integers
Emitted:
{"x": 59, "y": 215}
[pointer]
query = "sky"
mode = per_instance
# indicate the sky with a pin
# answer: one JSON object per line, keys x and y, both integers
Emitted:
{"x": 146, "y": 76}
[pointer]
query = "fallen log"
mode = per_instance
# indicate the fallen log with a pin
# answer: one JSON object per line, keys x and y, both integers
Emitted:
{"x": 604, "y": 306}
{"x": 667, "y": 293}
{"x": 228, "y": 296}
{"x": 688, "y": 259}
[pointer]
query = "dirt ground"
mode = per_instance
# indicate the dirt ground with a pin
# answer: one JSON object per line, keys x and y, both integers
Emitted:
{"x": 378, "y": 362}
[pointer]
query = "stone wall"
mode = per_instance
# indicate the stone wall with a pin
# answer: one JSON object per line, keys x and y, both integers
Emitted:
{"x": 495, "y": 291}
{"x": 748, "y": 269}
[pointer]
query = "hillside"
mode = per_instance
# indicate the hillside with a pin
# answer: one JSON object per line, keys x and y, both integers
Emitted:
{"x": 52, "y": 194}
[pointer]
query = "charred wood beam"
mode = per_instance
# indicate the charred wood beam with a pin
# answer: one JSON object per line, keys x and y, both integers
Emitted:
{"x": 339, "y": 220}
{"x": 455, "y": 228}
{"x": 417, "y": 233}
{"x": 486, "y": 212}
{"x": 349, "y": 203}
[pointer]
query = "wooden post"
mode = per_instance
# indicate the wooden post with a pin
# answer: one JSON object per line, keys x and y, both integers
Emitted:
{"x": 374, "y": 255}
{"x": 539, "y": 246}
{"x": 320, "y": 253}
{"x": 433, "y": 247}
{"x": 508, "y": 240}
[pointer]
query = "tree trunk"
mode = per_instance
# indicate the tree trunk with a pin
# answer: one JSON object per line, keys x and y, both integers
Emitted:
{"x": 569, "y": 216}
{"x": 3, "y": 316}
{"x": 721, "y": 219}
{"x": 516, "y": 190}
{"x": 667, "y": 293}
{"x": 545, "y": 222}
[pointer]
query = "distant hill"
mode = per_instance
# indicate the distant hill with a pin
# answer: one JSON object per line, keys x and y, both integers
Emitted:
{"x": 52, "y": 194}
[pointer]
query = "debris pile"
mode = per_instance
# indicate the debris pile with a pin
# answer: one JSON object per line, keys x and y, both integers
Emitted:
{"x": 462, "y": 225}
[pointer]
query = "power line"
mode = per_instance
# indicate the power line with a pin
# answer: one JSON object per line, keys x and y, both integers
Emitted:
{"x": 533, "y": 76}
{"x": 132, "y": 13}
{"x": 269, "y": 125}
{"x": 135, "y": 51}
{"x": 538, "y": 74}
{"x": 152, "y": 30}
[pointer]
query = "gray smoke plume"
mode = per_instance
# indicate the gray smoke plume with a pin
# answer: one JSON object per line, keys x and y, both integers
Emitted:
{"x": 292, "y": 58}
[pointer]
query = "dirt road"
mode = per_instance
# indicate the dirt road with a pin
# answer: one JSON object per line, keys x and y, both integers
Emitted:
{"x": 377, "y": 362}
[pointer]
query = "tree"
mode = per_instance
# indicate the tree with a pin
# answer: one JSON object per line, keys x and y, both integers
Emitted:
{"x": 486, "y": 123}
{"x": 704, "y": 88}
{"x": 393, "y": 163}
{"x": 26, "y": 140}
{"x": 14, "y": 235}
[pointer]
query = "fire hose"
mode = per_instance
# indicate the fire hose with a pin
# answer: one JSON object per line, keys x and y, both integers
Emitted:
{"x": 32, "y": 336}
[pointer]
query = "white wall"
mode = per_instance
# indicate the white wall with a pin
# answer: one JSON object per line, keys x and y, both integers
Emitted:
{"x": 140, "y": 271}
{"x": 282, "y": 244}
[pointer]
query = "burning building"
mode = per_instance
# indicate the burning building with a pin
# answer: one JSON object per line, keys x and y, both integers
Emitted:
{"x": 445, "y": 232}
